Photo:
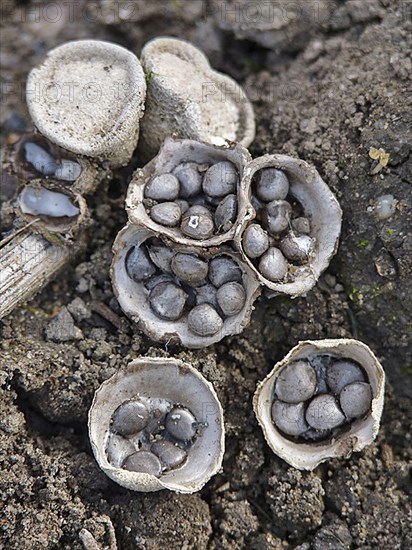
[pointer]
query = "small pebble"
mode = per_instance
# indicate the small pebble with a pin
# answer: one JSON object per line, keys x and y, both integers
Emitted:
{"x": 297, "y": 248}
{"x": 138, "y": 264}
{"x": 385, "y": 207}
{"x": 118, "y": 448}
{"x": 226, "y": 212}
{"x": 204, "y": 320}
{"x": 277, "y": 216}
{"x": 170, "y": 455}
{"x": 190, "y": 179}
{"x": 289, "y": 417}
{"x": 301, "y": 225}
{"x": 162, "y": 188}
{"x": 39, "y": 201}
{"x": 221, "y": 179}
{"x": 272, "y": 185}
{"x": 355, "y": 399}
{"x": 68, "y": 170}
{"x": 255, "y": 241}
{"x": 197, "y": 223}
{"x": 40, "y": 159}
{"x": 180, "y": 423}
{"x": 206, "y": 294}
{"x": 130, "y": 418}
{"x": 143, "y": 462}
{"x": 161, "y": 256}
{"x": 231, "y": 298}
{"x": 166, "y": 213}
{"x": 296, "y": 382}
{"x": 341, "y": 373}
{"x": 273, "y": 265}
{"x": 168, "y": 301}
{"x": 189, "y": 268}
{"x": 323, "y": 413}
{"x": 223, "y": 269}
{"x": 79, "y": 309}
{"x": 61, "y": 328}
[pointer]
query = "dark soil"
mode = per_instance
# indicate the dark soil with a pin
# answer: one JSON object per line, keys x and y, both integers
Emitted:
{"x": 333, "y": 87}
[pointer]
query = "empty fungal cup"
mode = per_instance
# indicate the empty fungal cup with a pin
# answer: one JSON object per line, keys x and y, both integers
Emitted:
{"x": 157, "y": 424}
{"x": 52, "y": 209}
{"x": 87, "y": 96}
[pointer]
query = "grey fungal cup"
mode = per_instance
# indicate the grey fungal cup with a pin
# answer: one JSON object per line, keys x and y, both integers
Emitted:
{"x": 294, "y": 231}
{"x": 323, "y": 400}
{"x": 35, "y": 157}
{"x": 179, "y": 294}
{"x": 186, "y": 97}
{"x": 157, "y": 424}
{"x": 191, "y": 192}
{"x": 52, "y": 209}
{"x": 87, "y": 96}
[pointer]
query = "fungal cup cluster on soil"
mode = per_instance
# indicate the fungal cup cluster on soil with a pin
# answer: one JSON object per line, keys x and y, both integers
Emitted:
{"x": 277, "y": 219}
{"x": 52, "y": 198}
{"x": 315, "y": 398}
{"x": 151, "y": 435}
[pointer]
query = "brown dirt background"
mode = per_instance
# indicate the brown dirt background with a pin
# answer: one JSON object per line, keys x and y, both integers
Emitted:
{"x": 337, "y": 82}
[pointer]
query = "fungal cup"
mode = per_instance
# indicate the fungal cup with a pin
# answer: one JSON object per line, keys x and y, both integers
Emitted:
{"x": 184, "y": 295}
{"x": 96, "y": 110}
{"x": 323, "y": 400}
{"x": 295, "y": 225}
{"x": 35, "y": 157}
{"x": 208, "y": 213}
{"x": 157, "y": 424}
{"x": 186, "y": 97}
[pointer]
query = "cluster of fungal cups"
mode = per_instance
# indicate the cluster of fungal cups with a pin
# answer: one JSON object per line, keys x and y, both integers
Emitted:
{"x": 316, "y": 397}
{"x": 226, "y": 226}
{"x": 280, "y": 234}
{"x": 158, "y": 423}
{"x": 50, "y": 196}
{"x": 76, "y": 141}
